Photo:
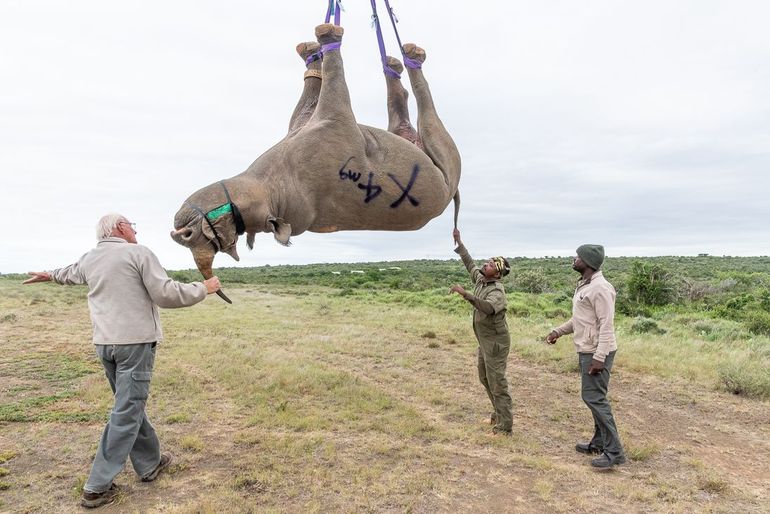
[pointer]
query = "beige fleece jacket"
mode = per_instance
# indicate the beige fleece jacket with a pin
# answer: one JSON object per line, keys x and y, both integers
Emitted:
{"x": 126, "y": 286}
{"x": 593, "y": 317}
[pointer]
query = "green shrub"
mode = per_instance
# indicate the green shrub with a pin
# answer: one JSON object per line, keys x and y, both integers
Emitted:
{"x": 556, "y": 314}
{"x": 758, "y": 322}
{"x": 764, "y": 300}
{"x": 531, "y": 281}
{"x": 747, "y": 378}
{"x": 649, "y": 284}
{"x": 646, "y": 326}
{"x": 625, "y": 305}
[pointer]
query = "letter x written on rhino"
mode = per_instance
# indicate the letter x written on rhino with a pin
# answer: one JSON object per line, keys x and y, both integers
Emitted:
{"x": 407, "y": 176}
{"x": 372, "y": 190}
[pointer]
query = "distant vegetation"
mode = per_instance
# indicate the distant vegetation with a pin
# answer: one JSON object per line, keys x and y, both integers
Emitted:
{"x": 674, "y": 302}
{"x": 731, "y": 288}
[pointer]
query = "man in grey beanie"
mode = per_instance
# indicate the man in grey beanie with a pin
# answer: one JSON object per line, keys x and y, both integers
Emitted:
{"x": 592, "y": 322}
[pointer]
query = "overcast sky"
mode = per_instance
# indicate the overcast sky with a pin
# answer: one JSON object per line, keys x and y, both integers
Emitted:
{"x": 644, "y": 126}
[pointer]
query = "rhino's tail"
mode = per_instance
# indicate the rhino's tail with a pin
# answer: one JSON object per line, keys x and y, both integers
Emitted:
{"x": 457, "y": 205}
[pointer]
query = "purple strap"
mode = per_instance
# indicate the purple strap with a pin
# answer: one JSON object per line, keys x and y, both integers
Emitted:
{"x": 313, "y": 57}
{"x": 320, "y": 53}
{"x": 409, "y": 62}
{"x": 385, "y": 68}
{"x": 334, "y": 7}
{"x": 330, "y": 46}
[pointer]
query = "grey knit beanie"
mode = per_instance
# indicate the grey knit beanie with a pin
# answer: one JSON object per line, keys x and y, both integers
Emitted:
{"x": 592, "y": 255}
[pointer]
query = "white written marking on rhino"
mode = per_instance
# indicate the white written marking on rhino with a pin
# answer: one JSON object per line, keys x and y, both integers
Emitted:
{"x": 373, "y": 190}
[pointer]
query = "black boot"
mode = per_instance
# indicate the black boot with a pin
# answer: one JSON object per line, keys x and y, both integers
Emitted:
{"x": 587, "y": 448}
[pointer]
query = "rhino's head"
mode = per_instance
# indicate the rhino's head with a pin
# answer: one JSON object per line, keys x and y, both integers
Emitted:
{"x": 206, "y": 226}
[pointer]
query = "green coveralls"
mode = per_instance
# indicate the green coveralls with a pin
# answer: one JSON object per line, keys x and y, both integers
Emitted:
{"x": 491, "y": 329}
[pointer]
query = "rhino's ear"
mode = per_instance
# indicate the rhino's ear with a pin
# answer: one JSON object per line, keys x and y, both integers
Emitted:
{"x": 281, "y": 230}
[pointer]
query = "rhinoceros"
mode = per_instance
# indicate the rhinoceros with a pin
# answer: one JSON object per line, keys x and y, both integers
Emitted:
{"x": 330, "y": 173}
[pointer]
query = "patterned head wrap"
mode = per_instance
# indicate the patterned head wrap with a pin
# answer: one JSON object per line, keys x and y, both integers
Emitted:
{"x": 501, "y": 265}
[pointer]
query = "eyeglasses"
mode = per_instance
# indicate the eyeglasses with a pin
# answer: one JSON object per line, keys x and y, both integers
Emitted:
{"x": 132, "y": 225}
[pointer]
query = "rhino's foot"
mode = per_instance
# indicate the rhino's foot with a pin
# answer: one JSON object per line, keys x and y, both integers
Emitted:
{"x": 394, "y": 64}
{"x": 414, "y": 52}
{"x": 329, "y": 33}
{"x": 309, "y": 50}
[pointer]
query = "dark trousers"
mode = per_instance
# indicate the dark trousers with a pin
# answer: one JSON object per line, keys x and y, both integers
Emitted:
{"x": 493, "y": 358}
{"x": 594, "y": 393}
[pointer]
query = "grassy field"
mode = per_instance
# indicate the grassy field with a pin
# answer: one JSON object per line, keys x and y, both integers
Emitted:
{"x": 355, "y": 392}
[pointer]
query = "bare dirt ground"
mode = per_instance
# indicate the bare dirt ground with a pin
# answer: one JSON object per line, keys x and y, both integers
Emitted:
{"x": 315, "y": 404}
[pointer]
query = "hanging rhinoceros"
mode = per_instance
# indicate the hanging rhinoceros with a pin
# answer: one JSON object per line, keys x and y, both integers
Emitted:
{"x": 330, "y": 173}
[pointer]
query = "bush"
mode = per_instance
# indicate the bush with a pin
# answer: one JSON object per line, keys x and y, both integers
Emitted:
{"x": 747, "y": 378}
{"x": 758, "y": 322}
{"x": 646, "y": 326}
{"x": 694, "y": 290}
{"x": 649, "y": 284}
{"x": 531, "y": 281}
{"x": 626, "y": 306}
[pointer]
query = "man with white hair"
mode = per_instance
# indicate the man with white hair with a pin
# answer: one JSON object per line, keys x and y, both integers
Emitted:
{"x": 126, "y": 286}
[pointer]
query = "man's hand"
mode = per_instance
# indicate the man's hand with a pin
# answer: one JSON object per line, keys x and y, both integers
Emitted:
{"x": 457, "y": 289}
{"x": 37, "y": 276}
{"x": 552, "y": 337}
{"x": 212, "y": 284}
{"x": 456, "y": 236}
{"x": 596, "y": 367}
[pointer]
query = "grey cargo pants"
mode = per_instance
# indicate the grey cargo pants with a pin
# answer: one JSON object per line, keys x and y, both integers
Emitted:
{"x": 594, "y": 393}
{"x": 128, "y": 433}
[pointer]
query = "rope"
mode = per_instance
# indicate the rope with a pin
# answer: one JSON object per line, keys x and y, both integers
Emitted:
{"x": 410, "y": 63}
{"x": 376, "y": 22}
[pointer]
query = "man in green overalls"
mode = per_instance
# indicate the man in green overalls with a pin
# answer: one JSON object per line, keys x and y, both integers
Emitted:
{"x": 491, "y": 329}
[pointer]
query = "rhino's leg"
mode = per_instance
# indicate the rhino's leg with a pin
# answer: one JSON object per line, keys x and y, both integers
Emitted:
{"x": 398, "y": 106}
{"x": 309, "y": 98}
{"x": 435, "y": 138}
{"x": 334, "y": 98}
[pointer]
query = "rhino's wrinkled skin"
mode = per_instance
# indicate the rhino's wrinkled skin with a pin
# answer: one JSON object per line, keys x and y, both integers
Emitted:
{"x": 330, "y": 173}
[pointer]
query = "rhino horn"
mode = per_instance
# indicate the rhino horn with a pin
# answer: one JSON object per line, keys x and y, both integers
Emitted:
{"x": 204, "y": 260}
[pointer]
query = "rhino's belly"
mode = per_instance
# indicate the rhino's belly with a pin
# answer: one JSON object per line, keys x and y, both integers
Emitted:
{"x": 386, "y": 201}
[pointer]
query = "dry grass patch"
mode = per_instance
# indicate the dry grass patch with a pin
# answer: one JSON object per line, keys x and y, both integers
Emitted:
{"x": 317, "y": 402}
{"x": 191, "y": 443}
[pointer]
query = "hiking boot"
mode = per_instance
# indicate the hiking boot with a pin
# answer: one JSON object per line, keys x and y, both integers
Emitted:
{"x": 587, "y": 448}
{"x": 91, "y": 500}
{"x": 606, "y": 461}
{"x": 165, "y": 460}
